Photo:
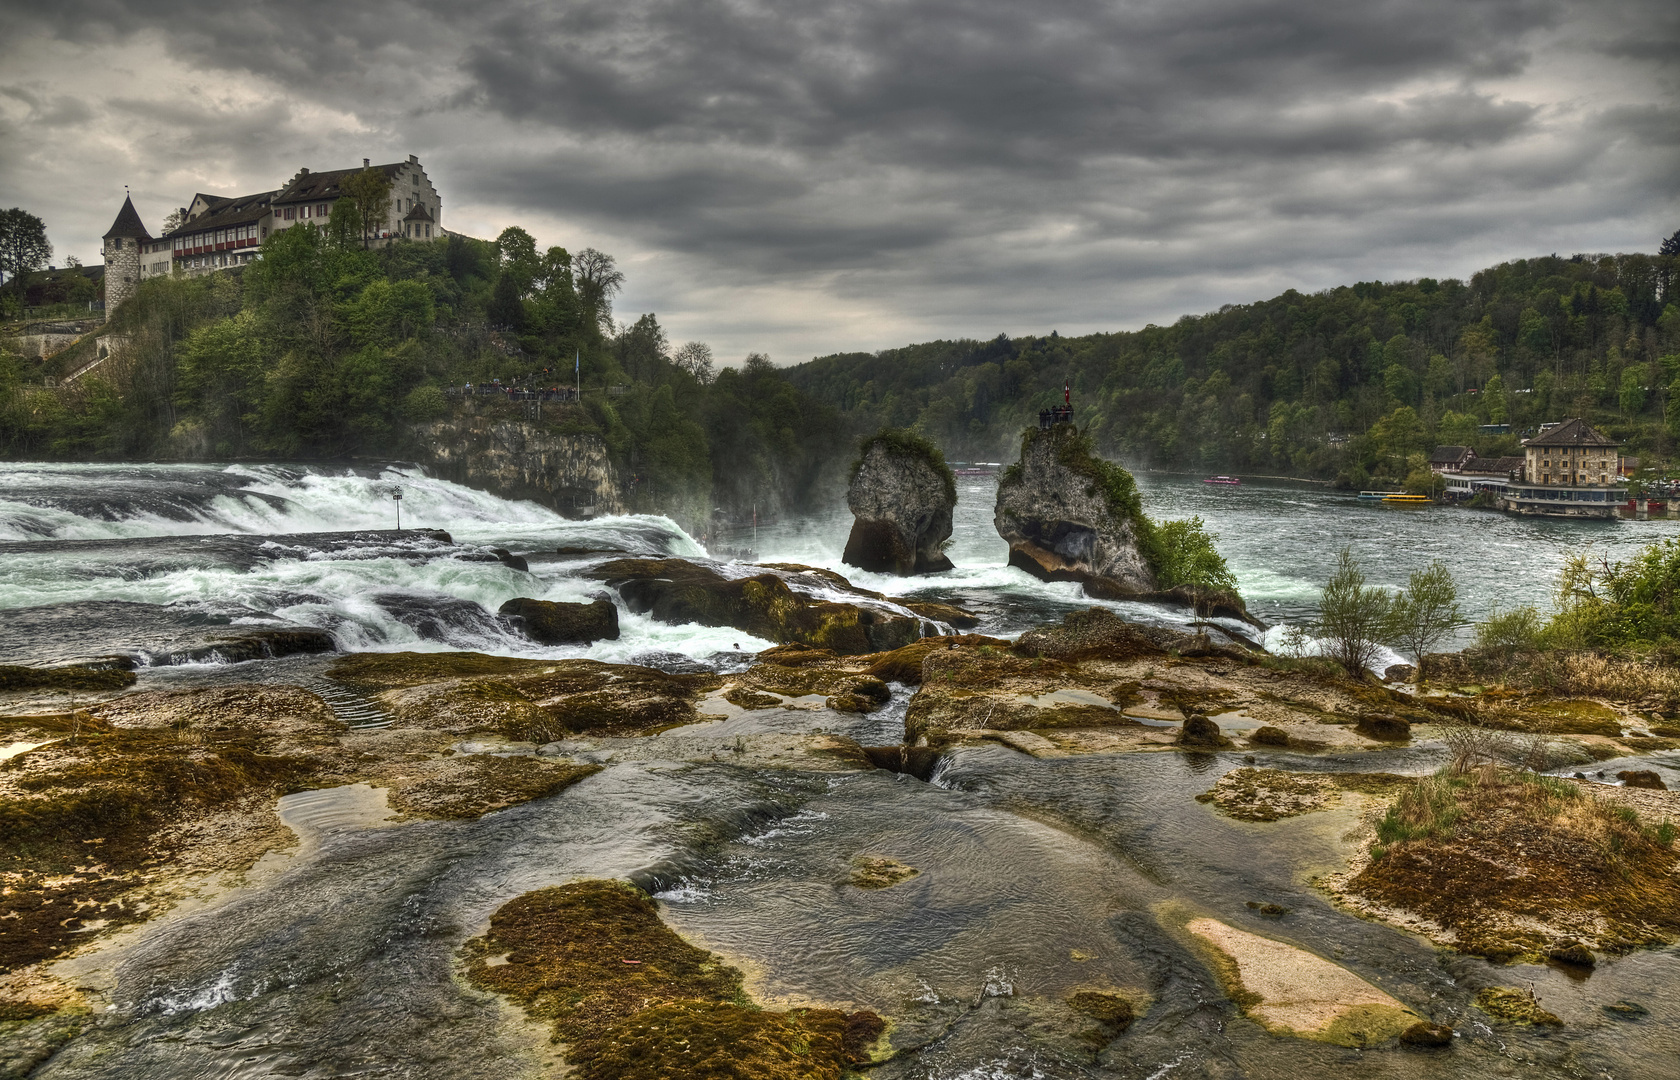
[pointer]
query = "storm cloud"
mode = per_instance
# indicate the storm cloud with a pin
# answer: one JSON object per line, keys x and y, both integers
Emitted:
{"x": 803, "y": 177}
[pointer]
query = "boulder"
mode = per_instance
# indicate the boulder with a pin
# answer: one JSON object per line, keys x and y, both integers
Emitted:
{"x": 678, "y": 591}
{"x": 1424, "y": 1033}
{"x": 1198, "y": 730}
{"x": 1384, "y": 727}
{"x": 1269, "y": 736}
{"x": 902, "y": 495}
{"x": 551, "y": 623}
{"x": 1642, "y": 778}
{"x": 510, "y": 560}
{"x": 1572, "y": 952}
{"x": 1068, "y": 515}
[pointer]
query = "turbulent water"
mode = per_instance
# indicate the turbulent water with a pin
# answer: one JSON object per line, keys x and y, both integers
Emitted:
{"x": 338, "y": 961}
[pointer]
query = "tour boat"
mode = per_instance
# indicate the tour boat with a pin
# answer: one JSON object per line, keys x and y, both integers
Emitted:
{"x": 1377, "y": 496}
{"x": 1229, "y": 481}
{"x": 1397, "y": 498}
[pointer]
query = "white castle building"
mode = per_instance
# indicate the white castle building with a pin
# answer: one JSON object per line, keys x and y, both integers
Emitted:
{"x": 218, "y": 233}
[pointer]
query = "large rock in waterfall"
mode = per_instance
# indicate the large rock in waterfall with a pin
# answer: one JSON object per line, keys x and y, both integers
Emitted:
{"x": 902, "y": 494}
{"x": 1068, "y": 515}
{"x": 553, "y": 623}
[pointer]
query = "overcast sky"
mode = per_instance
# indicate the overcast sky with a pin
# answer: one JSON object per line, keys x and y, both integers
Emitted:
{"x": 802, "y": 177}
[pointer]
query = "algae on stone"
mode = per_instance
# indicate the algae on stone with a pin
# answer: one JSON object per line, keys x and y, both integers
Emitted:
{"x": 632, "y": 999}
{"x": 880, "y": 872}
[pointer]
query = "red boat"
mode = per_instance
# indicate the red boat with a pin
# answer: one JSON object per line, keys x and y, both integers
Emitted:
{"x": 1229, "y": 481}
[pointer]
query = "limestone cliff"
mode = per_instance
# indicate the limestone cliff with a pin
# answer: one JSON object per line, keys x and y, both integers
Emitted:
{"x": 902, "y": 495}
{"x": 1068, "y": 515}
{"x": 520, "y": 459}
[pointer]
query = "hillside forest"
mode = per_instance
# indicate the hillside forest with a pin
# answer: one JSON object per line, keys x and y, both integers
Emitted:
{"x": 324, "y": 349}
{"x": 1355, "y": 383}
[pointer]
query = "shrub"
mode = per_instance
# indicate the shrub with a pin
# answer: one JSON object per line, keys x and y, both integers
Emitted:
{"x": 1352, "y": 618}
{"x": 424, "y": 403}
{"x": 1518, "y": 628}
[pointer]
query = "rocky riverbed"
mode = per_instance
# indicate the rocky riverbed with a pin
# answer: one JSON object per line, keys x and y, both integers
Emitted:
{"x": 147, "y": 817}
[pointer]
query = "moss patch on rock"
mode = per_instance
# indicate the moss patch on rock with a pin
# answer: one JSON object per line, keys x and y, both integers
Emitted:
{"x": 545, "y": 701}
{"x": 634, "y": 1000}
{"x": 1514, "y": 1006}
{"x": 483, "y": 783}
{"x": 82, "y": 826}
{"x": 1509, "y": 864}
{"x": 17, "y": 677}
{"x": 880, "y": 872}
{"x": 1269, "y": 794}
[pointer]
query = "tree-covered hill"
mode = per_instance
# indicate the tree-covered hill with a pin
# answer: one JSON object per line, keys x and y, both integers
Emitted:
{"x": 323, "y": 349}
{"x": 1351, "y": 382}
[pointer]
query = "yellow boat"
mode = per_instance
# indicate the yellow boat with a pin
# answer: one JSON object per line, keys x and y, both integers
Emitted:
{"x": 1398, "y": 499}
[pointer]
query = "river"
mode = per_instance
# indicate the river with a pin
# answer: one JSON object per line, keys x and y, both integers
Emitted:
{"x": 338, "y": 961}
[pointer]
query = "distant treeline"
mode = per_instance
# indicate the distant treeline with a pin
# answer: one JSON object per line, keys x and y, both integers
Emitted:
{"x": 1355, "y": 382}
{"x": 325, "y": 350}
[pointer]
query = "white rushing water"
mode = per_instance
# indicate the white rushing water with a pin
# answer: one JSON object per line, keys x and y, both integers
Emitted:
{"x": 180, "y": 544}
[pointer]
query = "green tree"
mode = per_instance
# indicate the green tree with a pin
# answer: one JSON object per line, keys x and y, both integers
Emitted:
{"x": 369, "y": 191}
{"x": 598, "y": 281}
{"x": 1424, "y": 612}
{"x": 1632, "y": 394}
{"x": 1493, "y": 394}
{"x": 1185, "y": 555}
{"x": 23, "y": 246}
{"x": 1353, "y": 618}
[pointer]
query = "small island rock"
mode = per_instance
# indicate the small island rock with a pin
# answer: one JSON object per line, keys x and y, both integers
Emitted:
{"x": 1068, "y": 515}
{"x": 902, "y": 495}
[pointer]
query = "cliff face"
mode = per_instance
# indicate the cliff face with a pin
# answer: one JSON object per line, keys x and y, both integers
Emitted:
{"x": 902, "y": 495}
{"x": 1067, "y": 515}
{"x": 519, "y": 460}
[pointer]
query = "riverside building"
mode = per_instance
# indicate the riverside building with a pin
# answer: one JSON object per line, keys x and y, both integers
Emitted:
{"x": 1570, "y": 470}
{"x": 217, "y": 232}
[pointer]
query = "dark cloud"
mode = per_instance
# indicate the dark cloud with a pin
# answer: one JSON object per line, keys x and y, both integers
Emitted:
{"x": 941, "y": 165}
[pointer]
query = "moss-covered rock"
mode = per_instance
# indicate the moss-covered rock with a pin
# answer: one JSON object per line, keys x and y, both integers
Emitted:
{"x": 902, "y": 495}
{"x": 535, "y": 701}
{"x": 1068, "y": 515}
{"x": 16, "y": 677}
{"x": 1514, "y": 1006}
{"x": 552, "y": 623}
{"x": 633, "y": 1000}
{"x": 678, "y": 591}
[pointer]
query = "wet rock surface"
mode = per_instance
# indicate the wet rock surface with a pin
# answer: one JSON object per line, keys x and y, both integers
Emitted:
{"x": 552, "y": 623}
{"x": 902, "y": 495}
{"x": 899, "y": 884}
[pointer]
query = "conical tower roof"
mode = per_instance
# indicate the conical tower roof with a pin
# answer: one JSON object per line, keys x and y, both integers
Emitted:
{"x": 128, "y": 224}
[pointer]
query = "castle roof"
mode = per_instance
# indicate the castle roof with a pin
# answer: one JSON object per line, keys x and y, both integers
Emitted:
{"x": 222, "y": 212}
{"x": 1574, "y": 432}
{"x": 418, "y": 213}
{"x": 309, "y": 186}
{"x": 128, "y": 223}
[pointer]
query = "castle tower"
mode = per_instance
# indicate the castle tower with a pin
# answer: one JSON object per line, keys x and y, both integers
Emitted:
{"x": 122, "y": 255}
